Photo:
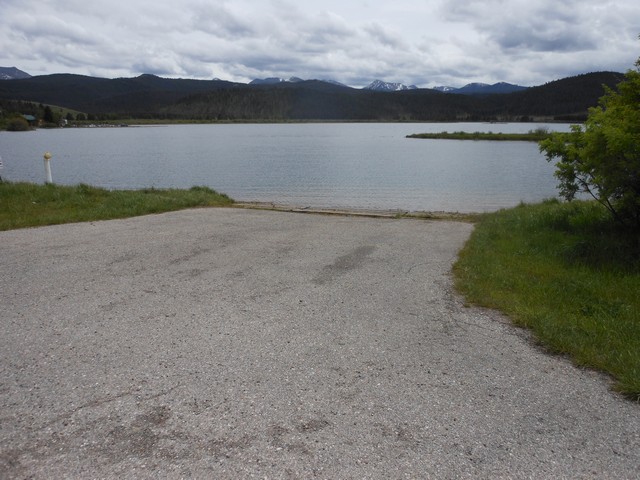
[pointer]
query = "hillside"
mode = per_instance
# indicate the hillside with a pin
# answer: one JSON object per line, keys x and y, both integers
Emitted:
{"x": 143, "y": 94}
{"x": 148, "y": 96}
{"x": 568, "y": 98}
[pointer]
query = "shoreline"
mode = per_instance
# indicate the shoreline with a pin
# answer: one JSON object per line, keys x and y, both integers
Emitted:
{"x": 359, "y": 212}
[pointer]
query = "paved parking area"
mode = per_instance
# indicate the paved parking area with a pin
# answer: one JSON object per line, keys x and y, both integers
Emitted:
{"x": 228, "y": 343}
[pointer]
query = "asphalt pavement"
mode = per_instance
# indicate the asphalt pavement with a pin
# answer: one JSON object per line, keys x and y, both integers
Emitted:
{"x": 229, "y": 343}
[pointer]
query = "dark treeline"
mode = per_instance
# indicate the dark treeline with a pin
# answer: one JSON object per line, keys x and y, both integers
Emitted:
{"x": 152, "y": 97}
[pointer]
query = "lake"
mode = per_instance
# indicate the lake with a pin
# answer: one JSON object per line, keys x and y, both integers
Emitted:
{"x": 344, "y": 165}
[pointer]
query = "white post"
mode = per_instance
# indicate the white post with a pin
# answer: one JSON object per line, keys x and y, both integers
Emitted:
{"x": 47, "y": 167}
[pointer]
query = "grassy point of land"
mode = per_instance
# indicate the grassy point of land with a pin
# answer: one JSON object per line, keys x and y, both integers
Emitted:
{"x": 531, "y": 136}
{"x": 568, "y": 273}
{"x": 31, "y": 205}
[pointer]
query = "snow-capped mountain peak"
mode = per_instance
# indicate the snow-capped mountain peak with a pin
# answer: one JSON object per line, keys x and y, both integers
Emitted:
{"x": 444, "y": 89}
{"x": 12, "y": 73}
{"x": 380, "y": 86}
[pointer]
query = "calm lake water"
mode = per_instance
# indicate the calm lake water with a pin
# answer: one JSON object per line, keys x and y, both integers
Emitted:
{"x": 367, "y": 166}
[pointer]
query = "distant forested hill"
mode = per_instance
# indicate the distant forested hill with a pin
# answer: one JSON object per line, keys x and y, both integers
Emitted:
{"x": 144, "y": 94}
{"x": 568, "y": 98}
{"x": 314, "y": 100}
{"x": 148, "y": 96}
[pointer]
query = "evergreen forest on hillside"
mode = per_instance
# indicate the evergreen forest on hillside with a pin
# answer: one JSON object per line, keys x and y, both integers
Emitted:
{"x": 151, "y": 97}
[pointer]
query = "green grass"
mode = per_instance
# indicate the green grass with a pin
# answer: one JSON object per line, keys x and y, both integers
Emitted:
{"x": 568, "y": 273}
{"x": 30, "y": 205}
{"x": 532, "y": 136}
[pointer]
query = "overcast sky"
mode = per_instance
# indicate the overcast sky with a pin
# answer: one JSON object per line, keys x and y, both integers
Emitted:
{"x": 426, "y": 43}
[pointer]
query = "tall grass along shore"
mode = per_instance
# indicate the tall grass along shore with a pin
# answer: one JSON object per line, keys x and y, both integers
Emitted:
{"x": 31, "y": 205}
{"x": 569, "y": 273}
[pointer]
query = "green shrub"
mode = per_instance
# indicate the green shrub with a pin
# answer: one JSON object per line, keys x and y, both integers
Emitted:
{"x": 18, "y": 124}
{"x": 602, "y": 158}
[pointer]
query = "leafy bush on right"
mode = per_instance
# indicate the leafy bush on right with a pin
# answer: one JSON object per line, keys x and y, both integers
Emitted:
{"x": 602, "y": 158}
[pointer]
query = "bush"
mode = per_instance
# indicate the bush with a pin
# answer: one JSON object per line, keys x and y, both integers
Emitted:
{"x": 18, "y": 124}
{"x": 602, "y": 158}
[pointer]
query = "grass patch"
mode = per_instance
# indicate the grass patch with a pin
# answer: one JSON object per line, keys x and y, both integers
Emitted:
{"x": 568, "y": 273}
{"x": 536, "y": 135}
{"x": 31, "y": 205}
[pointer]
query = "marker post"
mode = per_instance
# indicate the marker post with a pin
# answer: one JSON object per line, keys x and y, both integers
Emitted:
{"x": 47, "y": 167}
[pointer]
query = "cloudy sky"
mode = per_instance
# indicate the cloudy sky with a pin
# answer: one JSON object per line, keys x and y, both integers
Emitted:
{"x": 426, "y": 43}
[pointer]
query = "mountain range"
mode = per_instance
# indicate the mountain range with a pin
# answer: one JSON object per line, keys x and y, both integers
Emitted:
{"x": 12, "y": 73}
{"x": 382, "y": 86}
{"x": 275, "y": 99}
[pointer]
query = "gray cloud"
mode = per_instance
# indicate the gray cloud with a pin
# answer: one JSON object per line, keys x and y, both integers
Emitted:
{"x": 384, "y": 37}
{"x": 219, "y": 21}
{"x": 425, "y": 43}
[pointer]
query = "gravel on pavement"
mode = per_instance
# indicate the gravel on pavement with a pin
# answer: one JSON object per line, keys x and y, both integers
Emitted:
{"x": 229, "y": 343}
